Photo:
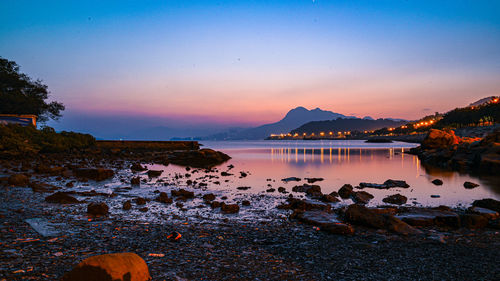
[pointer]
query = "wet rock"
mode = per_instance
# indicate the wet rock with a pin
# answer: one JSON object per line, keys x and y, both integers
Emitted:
{"x": 245, "y": 203}
{"x": 135, "y": 181}
{"x": 430, "y": 217}
{"x": 291, "y": 179}
{"x": 329, "y": 198}
{"x": 243, "y": 187}
{"x": 311, "y": 190}
{"x": 140, "y": 201}
{"x": 437, "y": 182}
{"x": 470, "y": 185}
{"x": 137, "y": 167}
{"x": 307, "y": 205}
{"x": 435, "y": 196}
{"x": 215, "y": 204}
{"x": 361, "y": 197}
{"x": 154, "y": 173}
{"x": 345, "y": 191}
{"x": 209, "y": 197}
{"x": 397, "y": 199}
{"x": 489, "y": 214}
{"x": 359, "y": 214}
{"x": 112, "y": 267}
{"x": 53, "y": 171}
{"x": 396, "y": 183}
{"x": 61, "y": 198}
{"x": 243, "y": 174}
{"x": 18, "y": 180}
{"x": 386, "y": 185}
{"x": 183, "y": 193}
{"x": 225, "y": 174}
{"x": 98, "y": 209}
{"x": 489, "y": 203}
{"x": 270, "y": 190}
{"x": 144, "y": 209}
{"x": 230, "y": 208}
{"x": 69, "y": 184}
{"x": 327, "y": 222}
{"x": 473, "y": 221}
{"x": 313, "y": 180}
{"x": 440, "y": 139}
{"x": 127, "y": 205}
{"x": 163, "y": 198}
{"x": 97, "y": 174}
{"x": 281, "y": 189}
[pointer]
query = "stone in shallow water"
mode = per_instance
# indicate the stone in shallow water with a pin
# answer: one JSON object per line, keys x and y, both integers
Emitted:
{"x": 328, "y": 222}
{"x": 43, "y": 227}
{"x": 489, "y": 214}
{"x": 430, "y": 217}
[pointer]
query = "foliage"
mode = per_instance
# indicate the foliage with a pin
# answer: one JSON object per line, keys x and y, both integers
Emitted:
{"x": 19, "y": 94}
{"x": 15, "y": 139}
{"x": 471, "y": 116}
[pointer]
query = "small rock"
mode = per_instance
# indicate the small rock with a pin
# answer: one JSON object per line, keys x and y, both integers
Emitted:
{"x": 98, "y": 209}
{"x": 61, "y": 198}
{"x": 140, "y": 201}
{"x": 127, "y": 205}
{"x": 230, "y": 208}
{"x": 397, "y": 199}
{"x": 437, "y": 182}
{"x": 18, "y": 180}
{"x": 345, "y": 191}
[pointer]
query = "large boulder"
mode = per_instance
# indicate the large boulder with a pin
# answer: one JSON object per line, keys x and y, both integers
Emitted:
{"x": 110, "y": 267}
{"x": 358, "y": 214}
{"x": 345, "y": 191}
{"x": 18, "y": 180}
{"x": 361, "y": 197}
{"x": 440, "y": 139}
{"x": 97, "y": 174}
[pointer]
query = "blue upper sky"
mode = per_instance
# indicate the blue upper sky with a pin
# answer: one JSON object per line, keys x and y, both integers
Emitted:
{"x": 248, "y": 62}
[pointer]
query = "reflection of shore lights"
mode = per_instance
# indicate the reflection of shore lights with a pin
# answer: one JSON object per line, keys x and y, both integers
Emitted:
{"x": 312, "y": 134}
{"x": 304, "y": 134}
{"x": 331, "y": 133}
{"x": 495, "y": 100}
{"x": 322, "y": 133}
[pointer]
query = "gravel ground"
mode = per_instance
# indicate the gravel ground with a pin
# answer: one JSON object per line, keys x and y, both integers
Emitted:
{"x": 277, "y": 250}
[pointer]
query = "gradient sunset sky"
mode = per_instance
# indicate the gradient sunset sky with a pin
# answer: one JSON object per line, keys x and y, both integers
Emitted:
{"x": 249, "y": 62}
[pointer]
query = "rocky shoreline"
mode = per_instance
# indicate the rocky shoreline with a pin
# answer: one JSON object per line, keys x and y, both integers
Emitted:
{"x": 49, "y": 227}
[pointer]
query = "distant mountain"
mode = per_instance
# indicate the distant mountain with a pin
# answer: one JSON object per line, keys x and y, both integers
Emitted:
{"x": 346, "y": 125}
{"x": 293, "y": 119}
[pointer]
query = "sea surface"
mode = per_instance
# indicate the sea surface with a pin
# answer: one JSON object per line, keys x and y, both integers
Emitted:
{"x": 266, "y": 163}
{"x": 351, "y": 161}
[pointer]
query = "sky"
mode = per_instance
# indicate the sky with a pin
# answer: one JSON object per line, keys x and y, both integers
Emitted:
{"x": 246, "y": 63}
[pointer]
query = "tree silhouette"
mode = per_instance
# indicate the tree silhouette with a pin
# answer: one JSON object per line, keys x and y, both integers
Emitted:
{"x": 19, "y": 94}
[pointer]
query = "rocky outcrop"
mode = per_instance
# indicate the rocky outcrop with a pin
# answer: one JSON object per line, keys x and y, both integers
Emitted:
{"x": 444, "y": 149}
{"x": 440, "y": 139}
{"x": 112, "y": 267}
{"x": 328, "y": 222}
{"x": 430, "y": 217}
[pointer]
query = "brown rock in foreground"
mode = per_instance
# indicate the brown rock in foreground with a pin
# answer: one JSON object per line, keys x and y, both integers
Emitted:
{"x": 110, "y": 267}
{"x": 358, "y": 214}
